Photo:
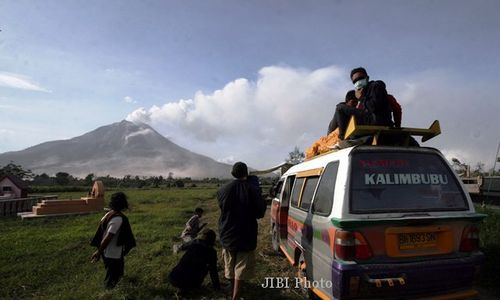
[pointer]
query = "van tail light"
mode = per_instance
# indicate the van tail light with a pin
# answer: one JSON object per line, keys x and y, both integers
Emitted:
{"x": 470, "y": 239}
{"x": 363, "y": 250}
{"x": 345, "y": 245}
{"x": 351, "y": 245}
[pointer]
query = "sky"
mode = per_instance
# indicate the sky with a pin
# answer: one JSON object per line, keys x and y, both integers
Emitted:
{"x": 246, "y": 80}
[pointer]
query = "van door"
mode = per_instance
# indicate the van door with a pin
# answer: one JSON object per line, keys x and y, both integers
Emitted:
{"x": 284, "y": 205}
{"x": 308, "y": 229}
{"x": 322, "y": 243}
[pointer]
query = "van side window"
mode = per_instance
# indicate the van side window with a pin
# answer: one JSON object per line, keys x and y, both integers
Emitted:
{"x": 323, "y": 201}
{"x": 297, "y": 188}
{"x": 287, "y": 191}
{"x": 275, "y": 189}
{"x": 308, "y": 192}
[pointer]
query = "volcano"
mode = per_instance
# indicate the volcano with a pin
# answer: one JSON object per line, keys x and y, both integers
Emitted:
{"x": 118, "y": 149}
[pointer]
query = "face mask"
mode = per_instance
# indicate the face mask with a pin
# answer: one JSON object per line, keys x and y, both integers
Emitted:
{"x": 360, "y": 83}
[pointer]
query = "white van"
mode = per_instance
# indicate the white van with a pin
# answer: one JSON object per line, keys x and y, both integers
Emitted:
{"x": 378, "y": 222}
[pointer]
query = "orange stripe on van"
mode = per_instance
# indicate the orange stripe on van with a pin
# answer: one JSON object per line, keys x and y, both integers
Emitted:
{"x": 331, "y": 236}
{"x": 286, "y": 254}
{"x": 320, "y": 294}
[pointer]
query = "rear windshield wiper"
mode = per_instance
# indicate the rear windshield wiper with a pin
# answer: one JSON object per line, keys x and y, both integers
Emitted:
{"x": 417, "y": 215}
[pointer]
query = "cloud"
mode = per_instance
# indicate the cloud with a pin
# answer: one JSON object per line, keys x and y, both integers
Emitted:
{"x": 6, "y": 132}
{"x": 227, "y": 160}
{"x": 18, "y": 81}
{"x": 129, "y": 99}
{"x": 139, "y": 115}
{"x": 6, "y": 136}
{"x": 269, "y": 109}
{"x": 260, "y": 121}
{"x": 465, "y": 109}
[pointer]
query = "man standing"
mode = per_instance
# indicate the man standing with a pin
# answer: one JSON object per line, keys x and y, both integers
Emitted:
{"x": 241, "y": 204}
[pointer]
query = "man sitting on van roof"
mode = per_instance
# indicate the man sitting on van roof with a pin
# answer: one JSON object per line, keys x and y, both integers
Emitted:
{"x": 343, "y": 111}
{"x": 372, "y": 97}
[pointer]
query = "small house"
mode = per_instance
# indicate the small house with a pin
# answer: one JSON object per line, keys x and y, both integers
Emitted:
{"x": 12, "y": 187}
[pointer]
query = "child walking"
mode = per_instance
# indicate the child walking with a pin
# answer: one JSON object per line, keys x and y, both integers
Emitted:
{"x": 113, "y": 239}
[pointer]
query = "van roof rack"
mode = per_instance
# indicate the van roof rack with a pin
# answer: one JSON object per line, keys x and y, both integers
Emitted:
{"x": 403, "y": 134}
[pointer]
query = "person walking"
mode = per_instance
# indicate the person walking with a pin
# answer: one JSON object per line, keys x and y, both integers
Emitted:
{"x": 113, "y": 239}
{"x": 241, "y": 204}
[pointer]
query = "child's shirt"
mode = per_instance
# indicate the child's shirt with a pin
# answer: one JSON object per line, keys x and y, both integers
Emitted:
{"x": 192, "y": 227}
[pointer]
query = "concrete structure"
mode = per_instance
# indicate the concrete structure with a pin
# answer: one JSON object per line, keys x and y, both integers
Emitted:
{"x": 12, "y": 207}
{"x": 12, "y": 187}
{"x": 490, "y": 186}
{"x": 472, "y": 184}
{"x": 94, "y": 202}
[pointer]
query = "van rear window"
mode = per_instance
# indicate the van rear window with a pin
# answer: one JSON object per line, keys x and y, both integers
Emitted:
{"x": 403, "y": 182}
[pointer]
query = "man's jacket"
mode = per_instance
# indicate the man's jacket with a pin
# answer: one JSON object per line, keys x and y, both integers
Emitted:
{"x": 376, "y": 105}
{"x": 241, "y": 204}
{"x": 199, "y": 259}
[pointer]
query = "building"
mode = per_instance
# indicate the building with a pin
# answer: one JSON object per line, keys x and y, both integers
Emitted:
{"x": 12, "y": 187}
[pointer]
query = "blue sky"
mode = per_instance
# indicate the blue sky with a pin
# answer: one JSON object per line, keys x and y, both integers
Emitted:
{"x": 246, "y": 80}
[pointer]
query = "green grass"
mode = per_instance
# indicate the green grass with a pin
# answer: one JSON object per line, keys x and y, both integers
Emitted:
{"x": 50, "y": 258}
{"x": 490, "y": 245}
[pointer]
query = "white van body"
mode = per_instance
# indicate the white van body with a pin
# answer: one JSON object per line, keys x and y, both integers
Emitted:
{"x": 396, "y": 217}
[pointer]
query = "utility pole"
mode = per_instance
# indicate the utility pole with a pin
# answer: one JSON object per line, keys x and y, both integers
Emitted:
{"x": 497, "y": 158}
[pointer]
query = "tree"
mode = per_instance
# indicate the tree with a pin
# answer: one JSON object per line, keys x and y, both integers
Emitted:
{"x": 478, "y": 170}
{"x": 63, "y": 178}
{"x": 296, "y": 156}
{"x": 170, "y": 177}
{"x": 89, "y": 179}
{"x": 138, "y": 182}
{"x": 179, "y": 183}
{"x": 126, "y": 181}
{"x": 156, "y": 181}
{"x": 17, "y": 171}
{"x": 42, "y": 179}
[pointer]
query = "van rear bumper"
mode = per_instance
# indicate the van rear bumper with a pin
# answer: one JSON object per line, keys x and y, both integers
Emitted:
{"x": 405, "y": 280}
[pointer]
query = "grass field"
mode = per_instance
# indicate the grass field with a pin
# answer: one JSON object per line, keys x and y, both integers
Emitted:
{"x": 49, "y": 258}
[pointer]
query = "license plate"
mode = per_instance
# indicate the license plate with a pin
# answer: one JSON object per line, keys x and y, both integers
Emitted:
{"x": 417, "y": 240}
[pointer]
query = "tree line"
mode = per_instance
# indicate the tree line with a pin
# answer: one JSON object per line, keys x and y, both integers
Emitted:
{"x": 66, "y": 179}
{"x": 69, "y": 182}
